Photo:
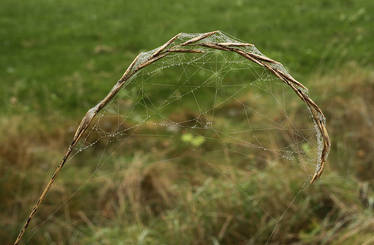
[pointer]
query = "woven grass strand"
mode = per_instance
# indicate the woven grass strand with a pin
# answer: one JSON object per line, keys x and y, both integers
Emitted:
{"x": 189, "y": 46}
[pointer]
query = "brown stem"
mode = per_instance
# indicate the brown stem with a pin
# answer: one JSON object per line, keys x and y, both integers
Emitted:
{"x": 184, "y": 48}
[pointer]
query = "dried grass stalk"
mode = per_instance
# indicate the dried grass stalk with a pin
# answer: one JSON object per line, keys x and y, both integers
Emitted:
{"x": 186, "y": 47}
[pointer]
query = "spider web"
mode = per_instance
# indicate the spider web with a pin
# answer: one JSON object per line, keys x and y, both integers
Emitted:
{"x": 228, "y": 101}
{"x": 213, "y": 108}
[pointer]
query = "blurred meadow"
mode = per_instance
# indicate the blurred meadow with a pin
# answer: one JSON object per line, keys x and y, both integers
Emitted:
{"x": 59, "y": 58}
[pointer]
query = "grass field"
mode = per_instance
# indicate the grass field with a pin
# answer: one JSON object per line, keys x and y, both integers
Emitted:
{"x": 58, "y": 58}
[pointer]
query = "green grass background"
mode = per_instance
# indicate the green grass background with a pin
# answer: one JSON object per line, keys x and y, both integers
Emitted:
{"x": 58, "y": 58}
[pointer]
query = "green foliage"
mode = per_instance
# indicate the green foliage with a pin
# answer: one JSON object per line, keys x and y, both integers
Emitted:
{"x": 193, "y": 140}
{"x": 60, "y": 57}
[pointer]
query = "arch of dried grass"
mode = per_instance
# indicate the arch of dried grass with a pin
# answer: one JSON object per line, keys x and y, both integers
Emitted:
{"x": 197, "y": 43}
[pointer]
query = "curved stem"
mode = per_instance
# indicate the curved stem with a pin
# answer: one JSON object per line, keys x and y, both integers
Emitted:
{"x": 160, "y": 53}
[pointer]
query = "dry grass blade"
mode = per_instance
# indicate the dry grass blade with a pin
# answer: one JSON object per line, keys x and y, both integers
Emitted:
{"x": 164, "y": 46}
{"x": 236, "y": 44}
{"x": 185, "y": 51}
{"x": 163, "y": 51}
{"x": 198, "y": 38}
{"x": 263, "y": 58}
{"x": 214, "y": 46}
